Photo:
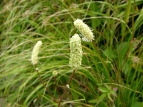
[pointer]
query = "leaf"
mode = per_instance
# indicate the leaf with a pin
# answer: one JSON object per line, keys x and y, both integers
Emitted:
{"x": 30, "y": 96}
{"x": 104, "y": 90}
{"x": 109, "y": 96}
{"x": 108, "y": 87}
{"x": 139, "y": 20}
{"x": 101, "y": 98}
{"x": 137, "y": 104}
{"x": 109, "y": 53}
{"x": 93, "y": 101}
{"x": 122, "y": 50}
{"x": 113, "y": 93}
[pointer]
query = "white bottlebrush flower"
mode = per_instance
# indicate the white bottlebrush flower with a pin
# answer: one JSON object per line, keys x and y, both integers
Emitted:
{"x": 35, "y": 52}
{"x": 84, "y": 30}
{"x": 75, "y": 52}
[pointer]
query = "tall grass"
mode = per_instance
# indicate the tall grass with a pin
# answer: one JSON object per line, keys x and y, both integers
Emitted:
{"x": 112, "y": 68}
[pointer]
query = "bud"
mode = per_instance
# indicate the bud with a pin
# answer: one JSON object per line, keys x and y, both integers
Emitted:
{"x": 75, "y": 52}
{"x": 55, "y": 73}
{"x": 35, "y": 52}
{"x": 74, "y": 6}
{"x": 135, "y": 60}
{"x": 37, "y": 69}
{"x": 67, "y": 86}
{"x": 84, "y": 30}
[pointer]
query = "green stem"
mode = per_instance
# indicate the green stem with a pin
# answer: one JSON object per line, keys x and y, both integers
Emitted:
{"x": 59, "y": 104}
{"x": 42, "y": 82}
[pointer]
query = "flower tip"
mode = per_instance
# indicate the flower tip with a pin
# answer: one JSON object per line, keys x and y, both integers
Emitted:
{"x": 39, "y": 42}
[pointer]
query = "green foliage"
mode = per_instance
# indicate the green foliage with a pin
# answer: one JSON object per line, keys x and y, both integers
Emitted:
{"x": 112, "y": 65}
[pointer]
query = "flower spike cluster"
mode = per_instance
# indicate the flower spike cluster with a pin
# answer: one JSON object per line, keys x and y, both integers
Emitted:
{"x": 75, "y": 52}
{"x": 35, "y": 52}
{"x": 84, "y": 30}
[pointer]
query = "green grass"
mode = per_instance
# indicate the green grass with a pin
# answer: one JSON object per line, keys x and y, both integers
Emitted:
{"x": 108, "y": 76}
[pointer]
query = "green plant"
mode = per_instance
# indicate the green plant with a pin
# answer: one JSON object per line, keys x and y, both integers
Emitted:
{"x": 111, "y": 71}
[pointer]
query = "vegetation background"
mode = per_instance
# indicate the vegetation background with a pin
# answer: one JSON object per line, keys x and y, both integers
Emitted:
{"x": 111, "y": 74}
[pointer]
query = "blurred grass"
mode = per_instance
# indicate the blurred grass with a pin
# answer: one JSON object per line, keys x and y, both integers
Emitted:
{"x": 109, "y": 63}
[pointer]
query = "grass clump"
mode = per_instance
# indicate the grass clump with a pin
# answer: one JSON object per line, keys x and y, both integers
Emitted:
{"x": 111, "y": 73}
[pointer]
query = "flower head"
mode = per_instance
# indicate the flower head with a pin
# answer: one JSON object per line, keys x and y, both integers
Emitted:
{"x": 75, "y": 51}
{"x": 84, "y": 30}
{"x": 35, "y": 52}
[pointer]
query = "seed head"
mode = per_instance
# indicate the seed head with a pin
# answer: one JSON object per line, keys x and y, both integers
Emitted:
{"x": 84, "y": 30}
{"x": 35, "y": 52}
{"x": 75, "y": 52}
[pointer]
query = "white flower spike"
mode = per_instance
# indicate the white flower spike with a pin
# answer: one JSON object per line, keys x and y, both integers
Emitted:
{"x": 75, "y": 52}
{"x": 35, "y": 52}
{"x": 84, "y": 30}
